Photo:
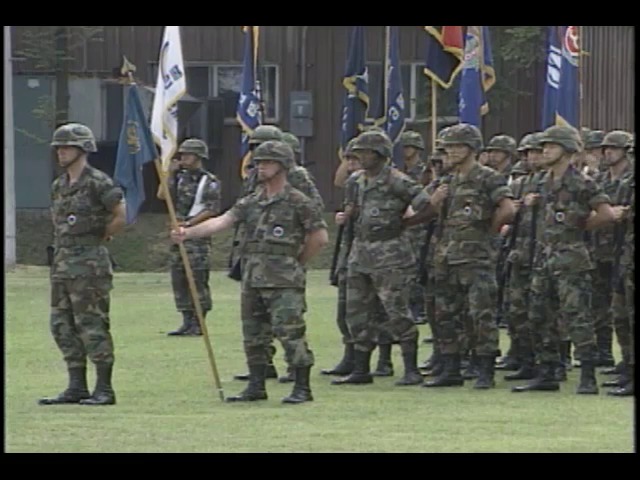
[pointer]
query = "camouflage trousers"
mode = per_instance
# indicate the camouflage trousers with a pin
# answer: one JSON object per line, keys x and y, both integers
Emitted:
{"x": 465, "y": 309}
{"x": 368, "y": 323}
{"x": 275, "y": 311}
{"x": 430, "y": 302}
{"x": 602, "y": 296}
{"x": 79, "y": 319}
{"x": 181, "y": 292}
{"x": 630, "y": 293}
{"x": 568, "y": 294}
{"x": 341, "y": 314}
{"x": 621, "y": 309}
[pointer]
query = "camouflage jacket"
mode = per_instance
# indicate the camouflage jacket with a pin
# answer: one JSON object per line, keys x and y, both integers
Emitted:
{"x": 275, "y": 230}
{"x": 184, "y": 186}
{"x": 378, "y": 206}
{"x": 566, "y": 204}
{"x": 603, "y": 238}
{"x": 521, "y": 252}
{"x": 627, "y": 196}
{"x": 417, "y": 233}
{"x": 348, "y": 233}
{"x": 471, "y": 203}
{"x": 80, "y": 214}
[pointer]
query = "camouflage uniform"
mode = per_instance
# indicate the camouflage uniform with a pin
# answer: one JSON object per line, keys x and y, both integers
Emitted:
{"x": 81, "y": 273}
{"x": 562, "y": 266}
{"x": 381, "y": 261}
{"x": 464, "y": 269}
{"x": 193, "y": 192}
{"x": 273, "y": 280}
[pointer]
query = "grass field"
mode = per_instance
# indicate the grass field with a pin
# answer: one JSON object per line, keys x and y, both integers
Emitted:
{"x": 167, "y": 402}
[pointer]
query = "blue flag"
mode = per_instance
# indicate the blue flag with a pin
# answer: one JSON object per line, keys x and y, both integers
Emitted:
{"x": 249, "y": 113}
{"x": 552, "y": 77}
{"x": 478, "y": 75}
{"x": 356, "y": 83}
{"x": 444, "y": 53}
{"x": 395, "y": 107}
{"x": 135, "y": 148}
{"x": 568, "y": 111}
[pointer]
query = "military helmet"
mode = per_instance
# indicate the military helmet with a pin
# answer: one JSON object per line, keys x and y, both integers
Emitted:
{"x": 566, "y": 136}
{"x": 525, "y": 143}
{"x": 264, "y": 133}
{"x": 631, "y": 145}
{"x": 74, "y": 135}
{"x": 593, "y": 139}
{"x": 439, "y": 138}
{"x": 519, "y": 168}
{"x": 195, "y": 146}
{"x": 291, "y": 140}
{"x": 464, "y": 134}
{"x": 534, "y": 141}
{"x": 348, "y": 150}
{"x": 616, "y": 139}
{"x": 503, "y": 143}
{"x": 409, "y": 138}
{"x": 276, "y": 151}
{"x": 375, "y": 140}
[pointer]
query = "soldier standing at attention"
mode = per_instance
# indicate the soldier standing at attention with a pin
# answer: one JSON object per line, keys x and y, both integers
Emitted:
{"x": 479, "y": 202}
{"x": 283, "y": 231}
{"x": 87, "y": 210}
{"x": 196, "y": 195}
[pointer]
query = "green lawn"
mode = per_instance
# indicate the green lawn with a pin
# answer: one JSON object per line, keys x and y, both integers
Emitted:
{"x": 167, "y": 401}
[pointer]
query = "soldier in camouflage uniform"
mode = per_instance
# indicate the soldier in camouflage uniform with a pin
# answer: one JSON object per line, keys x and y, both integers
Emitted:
{"x": 293, "y": 141}
{"x": 87, "y": 209}
{"x": 562, "y": 266}
{"x": 345, "y": 366}
{"x": 478, "y": 204}
{"x": 614, "y": 146}
{"x": 283, "y": 231}
{"x": 502, "y": 154}
{"x": 593, "y": 153}
{"x": 196, "y": 195}
{"x": 381, "y": 261}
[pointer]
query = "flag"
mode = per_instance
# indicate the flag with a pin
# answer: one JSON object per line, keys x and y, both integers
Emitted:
{"x": 356, "y": 82}
{"x": 135, "y": 148}
{"x": 478, "y": 75}
{"x": 249, "y": 113}
{"x": 568, "y": 110}
{"x": 445, "y": 46}
{"x": 170, "y": 87}
{"x": 552, "y": 77}
{"x": 395, "y": 107}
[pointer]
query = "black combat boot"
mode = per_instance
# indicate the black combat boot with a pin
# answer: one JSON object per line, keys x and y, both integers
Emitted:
{"x": 486, "y": 364}
{"x": 361, "y": 370}
{"x": 345, "y": 366}
{"x": 194, "y": 327}
{"x": 75, "y": 392}
{"x": 626, "y": 390}
{"x": 472, "y": 371}
{"x": 588, "y": 384}
{"x": 271, "y": 371}
{"x": 410, "y": 358}
{"x": 289, "y": 377}
{"x": 430, "y": 363}
{"x": 604, "y": 340}
{"x": 385, "y": 366}
{"x": 450, "y": 376}
{"x": 545, "y": 381}
{"x": 187, "y": 318}
{"x": 617, "y": 370}
{"x": 256, "y": 389}
{"x": 103, "y": 394}
{"x": 301, "y": 390}
{"x": 427, "y": 340}
{"x": 511, "y": 361}
{"x": 620, "y": 381}
{"x": 527, "y": 368}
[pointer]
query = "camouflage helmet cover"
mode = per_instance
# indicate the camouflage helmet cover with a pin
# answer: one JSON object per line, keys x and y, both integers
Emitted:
{"x": 276, "y": 151}
{"x": 616, "y": 139}
{"x": 195, "y": 146}
{"x": 291, "y": 140}
{"x": 375, "y": 140}
{"x": 409, "y": 138}
{"x": 593, "y": 139}
{"x": 503, "y": 143}
{"x": 464, "y": 134}
{"x": 525, "y": 142}
{"x": 264, "y": 133}
{"x": 566, "y": 136}
{"x": 348, "y": 150}
{"x": 74, "y": 135}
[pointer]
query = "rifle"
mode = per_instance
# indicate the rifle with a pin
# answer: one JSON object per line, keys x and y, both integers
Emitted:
{"x": 333, "y": 274}
{"x": 534, "y": 218}
{"x": 349, "y": 227}
{"x": 235, "y": 269}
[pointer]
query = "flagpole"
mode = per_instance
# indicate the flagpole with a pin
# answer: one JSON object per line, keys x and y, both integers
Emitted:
{"x": 187, "y": 265}
{"x": 580, "y": 76}
{"x": 434, "y": 114}
{"x": 385, "y": 67}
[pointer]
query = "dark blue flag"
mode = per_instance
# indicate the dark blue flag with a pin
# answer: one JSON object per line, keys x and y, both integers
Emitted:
{"x": 356, "y": 83}
{"x": 445, "y": 47}
{"x": 395, "y": 99}
{"x": 478, "y": 75}
{"x": 568, "y": 112}
{"x": 552, "y": 77}
{"x": 135, "y": 148}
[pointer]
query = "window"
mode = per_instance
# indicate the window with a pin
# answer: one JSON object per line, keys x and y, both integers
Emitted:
{"x": 224, "y": 81}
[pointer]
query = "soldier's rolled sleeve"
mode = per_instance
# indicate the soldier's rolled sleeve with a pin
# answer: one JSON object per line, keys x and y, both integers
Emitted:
{"x": 109, "y": 194}
{"x": 239, "y": 210}
{"x": 595, "y": 194}
{"x": 421, "y": 200}
{"x": 211, "y": 197}
{"x": 497, "y": 188}
{"x": 311, "y": 217}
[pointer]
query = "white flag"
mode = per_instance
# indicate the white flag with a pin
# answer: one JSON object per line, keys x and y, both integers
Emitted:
{"x": 170, "y": 87}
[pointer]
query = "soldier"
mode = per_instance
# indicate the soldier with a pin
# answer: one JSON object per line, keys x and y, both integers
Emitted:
{"x": 479, "y": 203}
{"x": 291, "y": 140}
{"x": 570, "y": 203}
{"x": 614, "y": 147}
{"x": 196, "y": 195}
{"x": 502, "y": 153}
{"x": 87, "y": 210}
{"x": 381, "y": 261}
{"x": 593, "y": 153}
{"x": 284, "y": 231}
{"x": 345, "y": 366}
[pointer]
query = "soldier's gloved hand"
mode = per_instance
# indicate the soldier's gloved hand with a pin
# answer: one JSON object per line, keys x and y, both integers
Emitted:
{"x": 341, "y": 218}
{"x": 178, "y": 235}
